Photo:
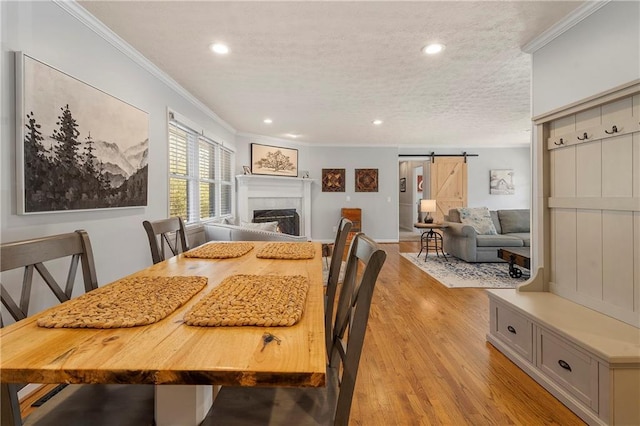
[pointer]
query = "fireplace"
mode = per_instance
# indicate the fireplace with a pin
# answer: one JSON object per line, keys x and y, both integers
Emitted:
{"x": 256, "y": 192}
{"x": 288, "y": 219}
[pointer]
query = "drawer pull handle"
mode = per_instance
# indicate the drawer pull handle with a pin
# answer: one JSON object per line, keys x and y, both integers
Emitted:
{"x": 511, "y": 329}
{"x": 564, "y": 364}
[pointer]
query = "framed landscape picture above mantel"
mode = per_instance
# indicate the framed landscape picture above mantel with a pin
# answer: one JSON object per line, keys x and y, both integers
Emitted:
{"x": 78, "y": 148}
{"x": 273, "y": 160}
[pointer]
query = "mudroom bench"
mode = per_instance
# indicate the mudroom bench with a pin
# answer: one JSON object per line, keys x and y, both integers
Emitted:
{"x": 589, "y": 361}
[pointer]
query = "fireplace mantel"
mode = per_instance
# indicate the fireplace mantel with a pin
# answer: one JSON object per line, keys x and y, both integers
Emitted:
{"x": 257, "y": 188}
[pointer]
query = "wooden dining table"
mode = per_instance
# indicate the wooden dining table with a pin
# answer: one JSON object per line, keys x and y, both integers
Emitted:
{"x": 179, "y": 358}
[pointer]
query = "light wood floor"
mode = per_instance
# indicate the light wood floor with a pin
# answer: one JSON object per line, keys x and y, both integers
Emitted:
{"x": 426, "y": 361}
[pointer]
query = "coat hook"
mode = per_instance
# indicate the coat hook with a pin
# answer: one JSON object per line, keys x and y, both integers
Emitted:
{"x": 584, "y": 137}
{"x": 558, "y": 144}
{"x": 614, "y": 129}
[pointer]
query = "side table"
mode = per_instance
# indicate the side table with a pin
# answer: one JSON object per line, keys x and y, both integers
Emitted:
{"x": 430, "y": 238}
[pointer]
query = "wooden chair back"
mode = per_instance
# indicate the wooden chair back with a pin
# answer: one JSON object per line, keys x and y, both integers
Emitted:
{"x": 31, "y": 255}
{"x": 166, "y": 234}
{"x": 352, "y": 315}
{"x": 332, "y": 281}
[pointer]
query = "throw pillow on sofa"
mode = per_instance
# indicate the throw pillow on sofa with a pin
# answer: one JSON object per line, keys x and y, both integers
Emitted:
{"x": 263, "y": 226}
{"x": 514, "y": 221}
{"x": 479, "y": 218}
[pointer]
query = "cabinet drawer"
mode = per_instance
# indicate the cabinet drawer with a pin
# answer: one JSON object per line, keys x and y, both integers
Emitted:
{"x": 513, "y": 329}
{"x": 568, "y": 366}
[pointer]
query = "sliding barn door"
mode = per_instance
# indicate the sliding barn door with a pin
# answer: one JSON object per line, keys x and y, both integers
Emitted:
{"x": 448, "y": 184}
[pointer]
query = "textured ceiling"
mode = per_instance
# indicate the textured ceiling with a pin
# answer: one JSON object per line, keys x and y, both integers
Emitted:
{"x": 325, "y": 70}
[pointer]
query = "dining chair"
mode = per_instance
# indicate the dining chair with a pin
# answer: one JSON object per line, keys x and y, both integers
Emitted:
{"x": 330, "y": 405}
{"x": 72, "y": 404}
{"x": 166, "y": 233}
{"x": 344, "y": 226}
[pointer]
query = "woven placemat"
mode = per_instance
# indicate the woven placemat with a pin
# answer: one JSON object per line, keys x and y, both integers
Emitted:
{"x": 262, "y": 300}
{"x": 291, "y": 251}
{"x": 129, "y": 302}
{"x": 220, "y": 250}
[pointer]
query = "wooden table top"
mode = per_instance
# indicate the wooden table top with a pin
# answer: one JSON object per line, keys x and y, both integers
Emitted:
{"x": 170, "y": 352}
{"x": 433, "y": 225}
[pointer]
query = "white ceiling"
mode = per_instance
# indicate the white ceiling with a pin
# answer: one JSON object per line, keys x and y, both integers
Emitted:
{"x": 326, "y": 70}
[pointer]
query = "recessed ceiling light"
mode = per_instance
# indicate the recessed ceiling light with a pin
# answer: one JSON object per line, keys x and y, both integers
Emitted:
{"x": 267, "y": 121}
{"x": 293, "y": 135}
{"x": 432, "y": 49}
{"x": 219, "y": 48}
{"x": 377, "y": 122}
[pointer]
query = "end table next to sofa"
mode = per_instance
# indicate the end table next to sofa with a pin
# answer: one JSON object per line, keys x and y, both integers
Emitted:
{"x": 430, "y": 238}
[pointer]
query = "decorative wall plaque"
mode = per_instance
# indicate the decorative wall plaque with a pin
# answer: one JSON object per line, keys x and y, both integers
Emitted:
{"x": 366, "y": 180}
{"x": 333, "y": 180}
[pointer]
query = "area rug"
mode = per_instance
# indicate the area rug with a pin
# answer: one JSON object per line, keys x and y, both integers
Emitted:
{"x": 457, "y": 273}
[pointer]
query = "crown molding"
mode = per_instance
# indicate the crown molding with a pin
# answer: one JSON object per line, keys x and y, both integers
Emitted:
{"x": 563, "y": 25}
{"x": 91, "y": 22}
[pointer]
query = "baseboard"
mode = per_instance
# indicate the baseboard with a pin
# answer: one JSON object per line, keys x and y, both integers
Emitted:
{"x": 563, "y": 396}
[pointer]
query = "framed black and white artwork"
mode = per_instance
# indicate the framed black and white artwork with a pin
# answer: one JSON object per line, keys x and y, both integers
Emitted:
{"x": 78, "y": 148}
{"x": 501, "y": 182}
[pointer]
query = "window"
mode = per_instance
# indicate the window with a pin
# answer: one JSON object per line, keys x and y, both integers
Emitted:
{"x": 200, "y": 175}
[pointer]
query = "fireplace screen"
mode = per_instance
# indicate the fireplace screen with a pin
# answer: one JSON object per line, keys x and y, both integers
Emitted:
{"x": 288, "y": 219}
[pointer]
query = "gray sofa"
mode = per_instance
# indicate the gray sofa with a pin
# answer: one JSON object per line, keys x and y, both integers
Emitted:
{"x": 226, "y": 232}
{"x": 463, "y": 242}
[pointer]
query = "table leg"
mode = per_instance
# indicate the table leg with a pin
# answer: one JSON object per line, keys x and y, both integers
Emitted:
{"x": 421, "y": 244}
{"x": 514, "y": 271}
{"x": 440, "y": 244}
{"x": 185, "y": 405}
{"x": 426, "y": 244}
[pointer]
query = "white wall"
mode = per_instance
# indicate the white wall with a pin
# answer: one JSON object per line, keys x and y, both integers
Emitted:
{"x": 48, "y": 33}
{"x": 517, "y": 159}
{"x": 379, "y": 209}
{"x": 598, "y": 54}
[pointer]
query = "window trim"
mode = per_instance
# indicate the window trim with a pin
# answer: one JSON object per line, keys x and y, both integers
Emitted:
{"x": 193, "y": 179}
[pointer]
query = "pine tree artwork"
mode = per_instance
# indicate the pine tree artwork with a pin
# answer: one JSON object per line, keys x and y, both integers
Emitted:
{"x": 73, "y": 159}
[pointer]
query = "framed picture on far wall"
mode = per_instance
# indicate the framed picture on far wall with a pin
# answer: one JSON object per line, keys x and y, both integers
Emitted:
{"x": 333, "y": 180}
{"x": 403, "y": 184}
{"x": 366, "y": 180}
{"x": 501, "y": 182}
{"x": 273, "y": 160}
{"x": 78, "y": 148}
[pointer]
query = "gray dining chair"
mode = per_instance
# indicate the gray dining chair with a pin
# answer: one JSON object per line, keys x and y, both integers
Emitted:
{"x": 315, "y": 406}
{"x": 344, "y": 226}
{"x": 77, "y": 404}
{"x": 166, "y": 234}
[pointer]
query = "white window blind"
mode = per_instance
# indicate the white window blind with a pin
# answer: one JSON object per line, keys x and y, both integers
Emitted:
{"x": 200, "y": 175}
